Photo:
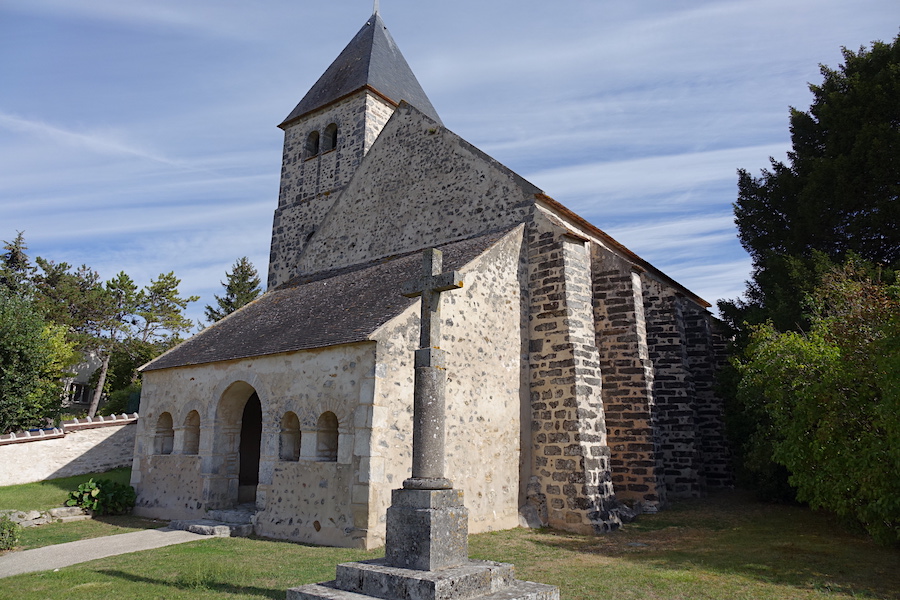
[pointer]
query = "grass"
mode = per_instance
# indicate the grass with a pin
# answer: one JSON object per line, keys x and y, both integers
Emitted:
{"x": 725, "y": 546}
{"x": 52, "y": 493}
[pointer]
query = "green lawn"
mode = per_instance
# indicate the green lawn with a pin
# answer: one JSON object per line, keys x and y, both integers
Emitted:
{"x": 52, "y": 493}
{"x": 725, "y": 546}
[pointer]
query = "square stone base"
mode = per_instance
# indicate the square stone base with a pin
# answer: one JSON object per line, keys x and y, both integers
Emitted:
{"x": 482, "y": 580}
{"x": 427, "y": 530}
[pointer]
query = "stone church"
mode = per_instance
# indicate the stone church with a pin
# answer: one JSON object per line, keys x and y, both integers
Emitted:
{"x": 580, "y": 377}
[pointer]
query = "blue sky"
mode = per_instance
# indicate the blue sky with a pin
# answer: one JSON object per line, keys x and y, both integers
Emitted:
{"x": 141, "y": 136}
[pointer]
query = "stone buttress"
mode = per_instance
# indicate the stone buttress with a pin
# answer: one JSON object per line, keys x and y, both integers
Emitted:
{"x": 570, "y": 485}
{"x": 628, "y": 381}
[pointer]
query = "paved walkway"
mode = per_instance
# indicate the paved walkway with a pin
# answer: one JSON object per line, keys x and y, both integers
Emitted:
{"x": 63, "y": 555}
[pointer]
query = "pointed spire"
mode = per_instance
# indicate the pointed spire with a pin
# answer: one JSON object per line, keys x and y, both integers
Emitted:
{"x": 371, "y": 60}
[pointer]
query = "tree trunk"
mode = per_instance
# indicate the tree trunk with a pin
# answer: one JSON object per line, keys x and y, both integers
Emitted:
{"x": 101, "y": 381}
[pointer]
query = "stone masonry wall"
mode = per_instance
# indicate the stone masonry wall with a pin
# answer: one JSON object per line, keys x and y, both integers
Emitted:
{"x": 483, "y": 336}
{"x": 92, "y": 448}
{"x": 628, "y": 381}
{"x": 673, "y": 388}
{"x": 310, "y": 185}
{"x": 419, "y": 185}
{"x": 703, "y": 359}
{"x": 571, "y": 485}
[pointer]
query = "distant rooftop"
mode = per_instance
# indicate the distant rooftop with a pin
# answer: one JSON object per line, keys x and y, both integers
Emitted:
{"x": 371, "y": 60}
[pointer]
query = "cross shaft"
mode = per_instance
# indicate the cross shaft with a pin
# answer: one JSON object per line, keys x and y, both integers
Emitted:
{"x": 430, "y": 376}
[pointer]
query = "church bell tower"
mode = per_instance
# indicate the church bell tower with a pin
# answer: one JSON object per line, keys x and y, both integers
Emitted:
{"x": 329, "y": 132}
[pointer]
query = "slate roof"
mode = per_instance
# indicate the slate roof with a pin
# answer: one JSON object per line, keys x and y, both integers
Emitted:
{"x": 371, "y": 59}
{"x": 326, "y": 309}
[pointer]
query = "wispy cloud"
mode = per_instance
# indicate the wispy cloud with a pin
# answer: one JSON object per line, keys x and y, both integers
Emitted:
{"x": 104, "y": 143}
{"x": 221, "y": 18}
{"x": 650, "y": 175}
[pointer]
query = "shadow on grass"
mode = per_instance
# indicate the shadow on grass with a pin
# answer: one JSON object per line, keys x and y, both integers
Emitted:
{"x": 130, "y": 521}
{"x": 67, "y": 484}
{"x": 199, "y": 581}
{"x": 730, "y": 533}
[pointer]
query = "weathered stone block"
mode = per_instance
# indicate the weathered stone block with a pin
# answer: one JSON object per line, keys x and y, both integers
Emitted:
{"x": 427, "y": 529}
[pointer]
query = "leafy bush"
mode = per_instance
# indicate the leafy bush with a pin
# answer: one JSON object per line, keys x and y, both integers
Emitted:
{"x": 829, "y": 400}
{"x": 103, "y": 497}
{"x": 122, "y": 401}
{"x": 9, "y": 533}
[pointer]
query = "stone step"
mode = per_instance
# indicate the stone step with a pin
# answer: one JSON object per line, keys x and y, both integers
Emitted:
{"x": 518, "y": 590}
{"x": 375, "y": 578}
{"x": 232, "y": 515}
{"x": 213, "y": 528}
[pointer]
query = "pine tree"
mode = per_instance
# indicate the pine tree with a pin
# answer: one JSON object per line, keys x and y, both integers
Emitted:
{"x": 16, "y": 269}
{"x": 242, "y": 286}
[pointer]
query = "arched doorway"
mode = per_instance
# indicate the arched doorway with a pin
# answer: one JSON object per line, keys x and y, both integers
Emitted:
{"x": 248, "y": 450}
{"x": 231, "y": 473}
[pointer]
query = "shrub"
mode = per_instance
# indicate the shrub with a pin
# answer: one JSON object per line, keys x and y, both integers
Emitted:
{"x": 829, "y": 400}
{"x": 121, "y": 401}
{"x": 103, "y": 497}
{"x": 9, "y": 533}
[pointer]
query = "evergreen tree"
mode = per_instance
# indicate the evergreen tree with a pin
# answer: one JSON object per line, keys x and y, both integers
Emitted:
{"x": 241, "y": 288}
{"x": 72, "y": 297}
{"x": 118, "y": 302}
{"x": 135, "y": 320}
{"x": 838, "y": 194}
{"x": 16, "y": 269}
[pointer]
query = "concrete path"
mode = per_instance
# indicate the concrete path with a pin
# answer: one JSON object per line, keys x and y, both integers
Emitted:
{"x": 63, "y": 555}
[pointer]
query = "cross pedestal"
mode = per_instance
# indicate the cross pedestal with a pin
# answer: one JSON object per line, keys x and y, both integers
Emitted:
{"x": 426, "y": 547}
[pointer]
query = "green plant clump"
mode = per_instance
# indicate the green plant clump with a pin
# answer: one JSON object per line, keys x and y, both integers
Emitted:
{"x": 103, "y": 497}
{"x": 9, "y": 533}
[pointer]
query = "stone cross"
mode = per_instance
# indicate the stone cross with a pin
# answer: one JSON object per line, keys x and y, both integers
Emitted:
{"x": 430, "y": 375}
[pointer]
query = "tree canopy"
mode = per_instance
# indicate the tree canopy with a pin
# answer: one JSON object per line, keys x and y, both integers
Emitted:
{"x": 242, "y": 286}
{"x": 837, "y": 195}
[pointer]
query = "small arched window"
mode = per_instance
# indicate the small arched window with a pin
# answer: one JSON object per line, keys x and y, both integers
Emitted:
{"x": 327, "y": 437}
{"x": 289, "y": 442}
{"x": 330, "y": 142}
{"x": 191, "y": 444}
{"x": 164, "y": 438}
{"x": 312, "y": 144}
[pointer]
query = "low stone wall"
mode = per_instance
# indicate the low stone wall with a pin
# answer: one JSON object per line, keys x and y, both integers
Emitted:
{"x": 31, "y": 518}
{"x": 76, "y": 447}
